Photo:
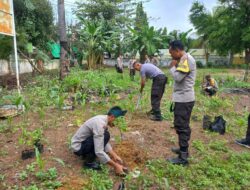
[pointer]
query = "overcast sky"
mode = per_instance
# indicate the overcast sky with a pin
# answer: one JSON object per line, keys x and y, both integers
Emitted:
{"x": 172, "y": 14}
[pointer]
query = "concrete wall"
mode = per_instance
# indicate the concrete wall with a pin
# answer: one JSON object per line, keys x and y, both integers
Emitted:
{"x": 4, "y": 67}
{"x": 24, "y": 66}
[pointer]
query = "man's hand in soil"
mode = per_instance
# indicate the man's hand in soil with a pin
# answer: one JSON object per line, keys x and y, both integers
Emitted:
{"x": 118, "y": 159}
{"x": 119, "y": 169}
{"x": 115, "y": 157}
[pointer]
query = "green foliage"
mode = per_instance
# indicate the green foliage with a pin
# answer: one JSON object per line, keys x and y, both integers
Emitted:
{"x": 23, "y": 175}
{"x": 183, "y": 37}
{"x": 52, "y": 184}
{"x": 199, "y": 64}
{"x": 2, "y": 177}
{"x": 14, "y": 99}
{"x": 99, "y": 180}
{"x": 105, "y": 28}
{"x": 6, "y": 42}
{"x": 212, "y": 171}
{"x": 39, "y": 161}
{"x": 93, "y": 38}
{"x": 60, "y": 161}
{"x": 210, "y": 64}
{"x": 146, "y": 39}
{"x": 218, "y": 146}
{"x": 121, "y": 123}
{"x": 51, "y": 174}
{"x": 48, "y": 178}
{"x": 30, "y": 187}
{"x": 233, "y": 82}
{"x": 40, "y": 55}
{"x": 96, "y": 83}
{"x": 198, "y": 145}
{"x": 30, "y": 137}
{"x": 34, "y": 22}
{"x": 30, "y": 167}
{"x": 225, "y": 28}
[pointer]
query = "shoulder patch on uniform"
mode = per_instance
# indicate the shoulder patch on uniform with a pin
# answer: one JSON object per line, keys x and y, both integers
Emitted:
{"x": 183, "y": 66}
{"x": 212, "y": 82}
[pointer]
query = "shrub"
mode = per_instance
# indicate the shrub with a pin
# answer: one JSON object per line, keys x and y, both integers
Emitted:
{"x": 199, "y": 64}
{"x": 210, "y": 64}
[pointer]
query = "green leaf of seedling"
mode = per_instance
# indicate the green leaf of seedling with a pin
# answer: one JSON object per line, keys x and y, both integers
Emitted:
{"x": 60, "y": 161}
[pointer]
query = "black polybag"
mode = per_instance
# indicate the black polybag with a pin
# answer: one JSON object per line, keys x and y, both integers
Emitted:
{"x": 218, "y": 125}
{"x": 206, "y": 122}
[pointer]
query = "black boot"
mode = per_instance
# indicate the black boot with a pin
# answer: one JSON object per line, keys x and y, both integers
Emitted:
{"x": 243, "y": 142}
{"x": 182, "y": 159}
{"x": 156, "y": 116}
{"x": 90, "y": 162}
{"x": 92, "y": 165}
{"x": 176, "y": 150}
{"x": 151, "y": 112}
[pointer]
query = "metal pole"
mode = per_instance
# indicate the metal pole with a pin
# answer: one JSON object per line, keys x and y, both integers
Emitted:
{"x": 15, "y": 47}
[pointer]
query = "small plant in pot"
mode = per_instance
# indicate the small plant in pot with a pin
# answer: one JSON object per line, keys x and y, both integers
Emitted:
{"x": 31, "y": 140}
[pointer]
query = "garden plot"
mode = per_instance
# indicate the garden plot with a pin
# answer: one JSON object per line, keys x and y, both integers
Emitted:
{"x": 143, "y": 144}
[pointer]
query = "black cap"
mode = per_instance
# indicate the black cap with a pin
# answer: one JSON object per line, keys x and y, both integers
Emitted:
{"x": 117, "y": 111}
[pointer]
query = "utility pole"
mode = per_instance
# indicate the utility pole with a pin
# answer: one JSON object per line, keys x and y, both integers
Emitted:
{"x": 64, "y": 63}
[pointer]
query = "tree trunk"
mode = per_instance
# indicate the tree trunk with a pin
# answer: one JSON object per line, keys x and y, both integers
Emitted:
{"x": 33, "y": 65}
{"x": 142, "y": 55}
{"x": 64, "y": 63}
{"x": 247, "y": 61}
{"x": 206, "y": 53}
{"x": 231, "y": 57}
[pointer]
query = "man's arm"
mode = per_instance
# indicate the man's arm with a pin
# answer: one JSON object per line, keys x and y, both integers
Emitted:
{"x": 100, "y": 153}
{"x": 115, "y": 156}
{"x": 143, "y": 82}
{"x": 99, "y": 147}
{"x": 177, "y": 75}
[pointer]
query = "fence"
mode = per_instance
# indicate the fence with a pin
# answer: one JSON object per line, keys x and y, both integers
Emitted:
{"x": 24, "y": 66}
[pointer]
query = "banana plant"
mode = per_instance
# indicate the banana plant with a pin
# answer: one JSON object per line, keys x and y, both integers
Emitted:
{"x": 147, "y": 41}
{"x": 96, "y": 40}
{"x": 183, "y": 37}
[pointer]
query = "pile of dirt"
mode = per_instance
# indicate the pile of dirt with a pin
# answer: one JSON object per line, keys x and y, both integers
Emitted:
{"x": 73, "y": 183}
{"x": 9, "y": 81}
{"x": 132, "y": 155}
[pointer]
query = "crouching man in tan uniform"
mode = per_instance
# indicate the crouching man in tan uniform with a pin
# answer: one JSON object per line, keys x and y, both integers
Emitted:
{"x": 92, "y": 140}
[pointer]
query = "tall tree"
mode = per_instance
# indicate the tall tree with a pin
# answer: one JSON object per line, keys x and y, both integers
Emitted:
{"x": 227, "y": 30}
{"x": 239, "y": 10}
{"x": 64, "y": 63}
{"x": 202, "y": 20}
{"x": 34, "y": 22}
{"x": 141, "y": 23}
